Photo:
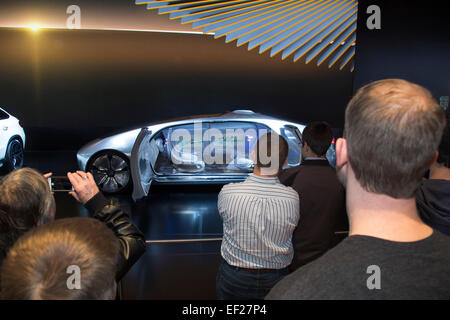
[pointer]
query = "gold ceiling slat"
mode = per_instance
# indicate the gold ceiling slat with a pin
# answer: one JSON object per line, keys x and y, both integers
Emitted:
{"x": 341, "y": 54}
{"x": 239, "y": 2}
{"x": 294, "y": 27}
{"x": 238, "y": 15}
{"x": 345, "y": 39}
{"x": 273, "y": 28}
{"x": 326, "y": 35}
{"x": 255, "y": 22}
{"x": 347, "y": 61}
{"x": 293, "y": 32}
{"x": 319, "y": 30}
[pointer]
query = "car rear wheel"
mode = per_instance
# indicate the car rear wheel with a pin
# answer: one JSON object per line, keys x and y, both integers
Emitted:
{"x": 14, "y": 155}
{"x": 111, "y": 171}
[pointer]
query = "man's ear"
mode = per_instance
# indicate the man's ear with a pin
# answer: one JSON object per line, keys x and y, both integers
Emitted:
{"x": 253, "y": 155}
{"x": 341, "y": 152}
{"x": 433, "y": 162}
{"x": 305, "y": 145}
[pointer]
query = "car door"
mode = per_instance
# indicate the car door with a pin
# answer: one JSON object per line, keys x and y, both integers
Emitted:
{"x": 174, "y": 151}
{"x": 143, "y": 157}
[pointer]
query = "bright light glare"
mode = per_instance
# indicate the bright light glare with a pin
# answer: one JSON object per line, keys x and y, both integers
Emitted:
{"x": 35, "y": 28}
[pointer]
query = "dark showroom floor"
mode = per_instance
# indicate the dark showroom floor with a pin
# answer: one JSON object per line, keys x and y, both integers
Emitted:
{"x": 167, "y": 270}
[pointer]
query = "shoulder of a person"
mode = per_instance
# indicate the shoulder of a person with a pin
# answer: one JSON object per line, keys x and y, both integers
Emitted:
{"x": 311, "y": 280}
{"x": 291, "y": 191}
{"x": 307, "y": 281}
{"x": 286, "y": 175}
{"x": 314, "y": 169}
{"x": 441, "y": 240}
{"x": 231, "y": 187}
{"x": 285, "y": 189}
{"x": 289, "y": 171}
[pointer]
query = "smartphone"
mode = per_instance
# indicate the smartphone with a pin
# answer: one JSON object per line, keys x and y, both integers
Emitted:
{"x": 60, "y": 184}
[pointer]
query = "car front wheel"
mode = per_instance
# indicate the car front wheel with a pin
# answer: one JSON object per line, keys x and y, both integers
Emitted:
{"x": 14, "y": 155}
{"x": 111, "y": 171}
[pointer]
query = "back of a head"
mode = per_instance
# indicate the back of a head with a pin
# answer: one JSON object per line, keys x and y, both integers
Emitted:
{"x": 39, "y": 264}
{"x": 318, "y": 136}
{"x": 271, "y": 152}
{"x": 393, "y": 128}
{"x": 444, "y": 147}
{"x": 25, "y": 202}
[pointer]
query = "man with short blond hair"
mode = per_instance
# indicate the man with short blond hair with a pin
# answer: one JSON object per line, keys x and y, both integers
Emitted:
{"x": 392, "y": 131}
{"x": 67, "y": 259}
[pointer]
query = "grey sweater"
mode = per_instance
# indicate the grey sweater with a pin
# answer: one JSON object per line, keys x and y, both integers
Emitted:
{"x": 359, "y": 265}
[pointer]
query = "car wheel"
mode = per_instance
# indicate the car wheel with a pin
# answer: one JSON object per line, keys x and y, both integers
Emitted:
{"x": 111, "y": 171}
{"x": 14, "y": 155}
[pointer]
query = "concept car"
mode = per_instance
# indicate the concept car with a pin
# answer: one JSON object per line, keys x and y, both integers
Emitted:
{"x": 156, "y": 153}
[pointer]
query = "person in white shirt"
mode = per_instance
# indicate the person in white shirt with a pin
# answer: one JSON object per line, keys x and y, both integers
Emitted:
{"x": 259, "y": 216}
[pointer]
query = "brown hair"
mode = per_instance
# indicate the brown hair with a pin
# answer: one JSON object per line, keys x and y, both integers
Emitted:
{"x": 264, "y": 147}
{"x": 25, "y": 202}
{"x": 393, "y": 128}
{"x": 318, "y": 136}
{"x": 37, "y": 264}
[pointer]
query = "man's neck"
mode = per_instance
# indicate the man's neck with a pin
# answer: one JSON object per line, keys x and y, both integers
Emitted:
{"x": 384, "y": 217}
{"x": 257, "y": 172}
{"x": 315, "y": 158}
{"x": 440, "y": 172}
{"x": 312, "y": 155}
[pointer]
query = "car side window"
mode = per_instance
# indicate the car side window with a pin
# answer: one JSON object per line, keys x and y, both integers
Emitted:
{"x": 228, "y": 146}
{"x": 3, "y": 115}
{"x": 331, "y": 154}
{"x": 294, "y": 144}
{"x": 222, "y": 148}
{"x": 179, "y": 151}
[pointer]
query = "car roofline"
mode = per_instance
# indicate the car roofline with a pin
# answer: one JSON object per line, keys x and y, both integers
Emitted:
{"x": 246, "y": 114}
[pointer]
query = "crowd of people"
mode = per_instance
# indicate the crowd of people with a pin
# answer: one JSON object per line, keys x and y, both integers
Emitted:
{"x": 391, "y": 188}
{"x": 37, "y": 251}
{"x": 396, "y": 249}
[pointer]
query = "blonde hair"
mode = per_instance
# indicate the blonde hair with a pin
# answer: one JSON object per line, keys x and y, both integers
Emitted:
{"x": 37, "y": 264}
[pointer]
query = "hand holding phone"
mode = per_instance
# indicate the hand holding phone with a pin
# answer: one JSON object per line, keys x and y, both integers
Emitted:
{"x": 84, "y": 186}
{"x": 60, "y": 184}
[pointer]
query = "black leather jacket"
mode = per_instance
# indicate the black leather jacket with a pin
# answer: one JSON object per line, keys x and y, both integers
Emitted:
{"x": 131, "y": 239}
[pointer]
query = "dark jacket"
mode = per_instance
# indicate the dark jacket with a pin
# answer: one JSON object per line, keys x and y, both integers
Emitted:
{"x": 433, "y": 203}
{"x": 132, "y": 241}
{"x": 322, "y": 209}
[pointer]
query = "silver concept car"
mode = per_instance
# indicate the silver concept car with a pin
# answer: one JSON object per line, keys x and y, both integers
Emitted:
{"x": 155, "y": 152}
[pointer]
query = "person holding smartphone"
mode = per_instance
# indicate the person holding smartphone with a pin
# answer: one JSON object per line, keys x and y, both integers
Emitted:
{"x": 26, "y": 201}
{"x": 131, "y": 239}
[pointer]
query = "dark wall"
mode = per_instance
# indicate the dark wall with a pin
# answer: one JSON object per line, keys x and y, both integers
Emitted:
{"x": 69, "y": 86}
{"x": 413, "y": 43}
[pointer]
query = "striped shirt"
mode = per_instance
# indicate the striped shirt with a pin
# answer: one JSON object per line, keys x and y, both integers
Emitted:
{"x": 259, "y": 216}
